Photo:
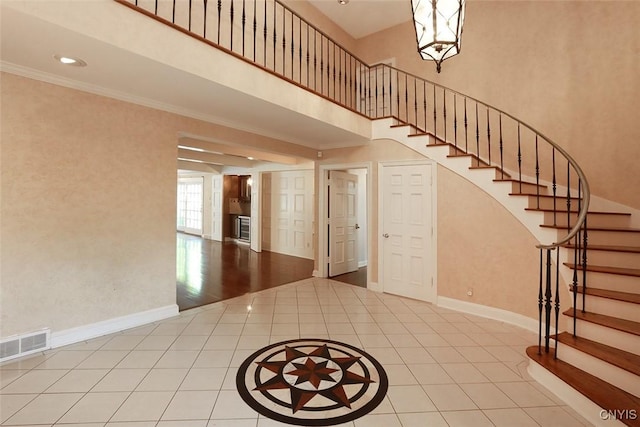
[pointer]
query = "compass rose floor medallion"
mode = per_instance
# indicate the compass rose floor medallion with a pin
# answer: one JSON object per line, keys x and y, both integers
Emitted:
{"x": 312, "y": 382}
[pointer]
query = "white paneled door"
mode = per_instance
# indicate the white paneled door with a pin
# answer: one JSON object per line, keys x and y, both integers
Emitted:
{"x": 343, "y": 227}
{"x": 406, "y": 231}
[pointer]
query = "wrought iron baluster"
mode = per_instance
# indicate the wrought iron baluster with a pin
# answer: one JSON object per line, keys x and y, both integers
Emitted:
{"x": 265, "y": 32}
{"x": 557, "y": 301}
{"x": 308, "y": 56}
{"x": 584, "y": 258}
{"x": 537, "y": 176}
{"x": 576, "y": 248}
{"x": 219, "y": 18}
{"x": 173, "y": 12}
{"x": 488, "y": 136}
{"x": 444, "y": 113}
{"x": 466, "y": 127}
{"x": 519, "y": 161}
{"x": 554, "y": 185}
{"x": 284, "y": 39}
{"x": 275, "y": 37}
{"x": 540, "y": 305}
{"x": 455, "y": 122}
{"x": 415, "y": 101}
{"x": 333, "y": 66}
{"x": 435, "y": 115}
{"x": 293, "y": 48}
{"x": 190, "y": 4}
{"x": 501, "y": 151}
{"x": 204, "y": 7}
{"x": 383, "y": 92}
{"x": 406, "y": 98}
{"x": 244, "y": 20}
{"x": 424, "y": 96}
{"x": 255, "y": 29}
{"x": 547, "y": 302}
{"x": 376, "y": 91}
{"x": 231, "y": 14}
{"x": 477, "y": 137}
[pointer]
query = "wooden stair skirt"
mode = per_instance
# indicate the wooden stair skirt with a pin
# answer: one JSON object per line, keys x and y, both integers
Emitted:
{"x": 610, "y": 398}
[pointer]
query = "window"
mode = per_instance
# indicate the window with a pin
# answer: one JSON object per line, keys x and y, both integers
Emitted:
{"x": 189, "y": 209}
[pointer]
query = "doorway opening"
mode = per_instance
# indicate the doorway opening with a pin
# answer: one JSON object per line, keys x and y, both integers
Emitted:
{"x": 344, "y": 237}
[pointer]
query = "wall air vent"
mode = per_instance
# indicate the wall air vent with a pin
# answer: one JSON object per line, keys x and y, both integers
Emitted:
{"x": 22, "y": 345}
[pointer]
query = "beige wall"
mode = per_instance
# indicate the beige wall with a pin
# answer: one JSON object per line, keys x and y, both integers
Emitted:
{"x": 88, "y": 208}
{"x": 88, "y": 205}
{"x": 570, "y": 69}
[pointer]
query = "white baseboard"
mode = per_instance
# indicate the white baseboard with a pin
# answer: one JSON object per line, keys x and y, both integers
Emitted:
{"x": 117, "y": 324}
{"x": 490, "y": 313}
{"x": 316, "y": 273}
{"x": 374, "y": 286}
{"x": 362, "y": 263}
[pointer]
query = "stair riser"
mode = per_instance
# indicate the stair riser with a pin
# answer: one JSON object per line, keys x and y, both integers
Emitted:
{"x": 615, "y": 238}
{"x": 613, "y": 259}
{"x": 593, "y": 220}
{"x": 613, "y": 282}
{"x": 547, "y": 203}
{"x": 610, "y": 307}
{"x": 612, "y": 374}
{"x": 612, "y": 337}
{"x": 528, "y": 188}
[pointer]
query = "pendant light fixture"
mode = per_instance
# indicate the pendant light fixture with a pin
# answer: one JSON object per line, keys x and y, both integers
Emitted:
{"x": 438, "y": 28}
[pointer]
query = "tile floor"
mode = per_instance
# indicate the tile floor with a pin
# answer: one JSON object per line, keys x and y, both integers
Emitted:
{"x": 445, "y": 368}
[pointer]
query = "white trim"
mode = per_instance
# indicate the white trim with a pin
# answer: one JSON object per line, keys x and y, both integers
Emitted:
{"x": 362, "y": 263}
{"x": 489, "y": 312}
{"x": 374, "y": 286}
{"x": 322, "y": 270}
{"x": 576, "y": 400}
{"x": 434, "y": 219}
{"x": 117, "y": 324}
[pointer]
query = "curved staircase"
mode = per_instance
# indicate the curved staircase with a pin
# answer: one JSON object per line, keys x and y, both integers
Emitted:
{"x": 602, "y": 361}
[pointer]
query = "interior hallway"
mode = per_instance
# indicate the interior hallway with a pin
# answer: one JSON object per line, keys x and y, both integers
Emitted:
{"x": 210, "y": 271}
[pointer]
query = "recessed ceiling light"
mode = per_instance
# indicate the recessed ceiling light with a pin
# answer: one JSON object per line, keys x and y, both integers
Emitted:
{"x": 343, "y": 2}
{"x": 249, "y": 158}
{"x": 68, "y": 60}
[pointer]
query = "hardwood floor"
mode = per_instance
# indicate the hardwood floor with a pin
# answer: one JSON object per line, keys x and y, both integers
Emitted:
{"x": 209, "y": 271}
{"x": 357, "y": 278}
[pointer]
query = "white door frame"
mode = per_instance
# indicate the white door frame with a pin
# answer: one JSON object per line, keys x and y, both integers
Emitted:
{"x": 323, "y": 231}
{"x": 434, "y": 220}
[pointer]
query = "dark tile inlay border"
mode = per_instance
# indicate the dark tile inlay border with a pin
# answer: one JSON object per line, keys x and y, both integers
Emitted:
{"x": 312, "y": 382}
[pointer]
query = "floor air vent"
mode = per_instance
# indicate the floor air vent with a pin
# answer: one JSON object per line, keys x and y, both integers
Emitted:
{"x": 23, "y": 345}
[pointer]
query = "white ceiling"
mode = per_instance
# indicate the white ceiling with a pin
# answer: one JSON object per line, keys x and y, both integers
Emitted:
{"x": 360, "y": 18}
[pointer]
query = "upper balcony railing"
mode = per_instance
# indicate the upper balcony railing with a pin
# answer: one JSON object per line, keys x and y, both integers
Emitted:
{"x": 271, "y": 36}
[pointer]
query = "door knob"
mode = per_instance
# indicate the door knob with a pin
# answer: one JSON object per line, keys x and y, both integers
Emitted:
{"x": 385, "y": 235}
{"x": 357, "y": 226}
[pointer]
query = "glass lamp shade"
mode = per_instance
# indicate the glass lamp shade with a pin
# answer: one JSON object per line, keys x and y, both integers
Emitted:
{"x": 438, "y": 28}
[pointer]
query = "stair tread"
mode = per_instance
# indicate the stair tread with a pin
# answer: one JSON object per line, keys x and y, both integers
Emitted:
{"x": 610, "y": 248}
{"x": 609, "y": 294}
{"x": 606, "y": 269}
{"x": 615, "y": 229}
{"x": 609, "y": 321}
{"x": 620, "y": 358}
{"x": 605, "y": 395}
{"x": 575, "y": 211}
{"x": 546, "y": 196}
